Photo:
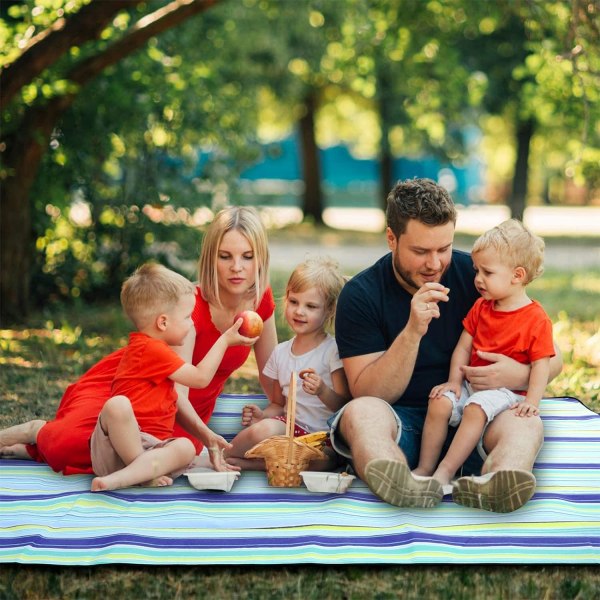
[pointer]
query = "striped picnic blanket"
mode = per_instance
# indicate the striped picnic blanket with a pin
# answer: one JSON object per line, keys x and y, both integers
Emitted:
{"x": 46, "y": 518}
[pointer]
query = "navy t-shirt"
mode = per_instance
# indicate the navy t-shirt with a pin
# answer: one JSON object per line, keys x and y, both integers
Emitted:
{"x": 373, "y": 309}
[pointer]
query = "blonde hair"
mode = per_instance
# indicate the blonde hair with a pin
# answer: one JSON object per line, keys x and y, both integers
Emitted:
{"x": 321, "y": 272}
{"x": 247, "y": 221}
{"x": 151, "y": 290}
{"x": 516, "y": 246}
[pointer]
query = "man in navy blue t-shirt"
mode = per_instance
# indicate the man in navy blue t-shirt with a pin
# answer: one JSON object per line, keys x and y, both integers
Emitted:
{"x": 397, "y": 324}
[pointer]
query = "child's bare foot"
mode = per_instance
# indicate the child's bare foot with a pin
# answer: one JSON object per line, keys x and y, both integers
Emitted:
{"x": 104, "y": 484}
{"x": 14, "y": 451}
{"x": 99, "y": 484}
{"x": 422, "y": 472}
{"x": 444, "y": 476}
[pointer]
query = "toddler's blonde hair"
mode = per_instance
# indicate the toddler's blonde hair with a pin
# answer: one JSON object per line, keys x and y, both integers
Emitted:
{"x": 516, "y": 246}
{"x": 151, "y": 290}
{"x": 321, "y": 272}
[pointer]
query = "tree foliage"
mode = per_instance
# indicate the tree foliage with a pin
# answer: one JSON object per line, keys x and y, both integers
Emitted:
{"x": 49, "y": 88}
{"x": 111, "y": 106}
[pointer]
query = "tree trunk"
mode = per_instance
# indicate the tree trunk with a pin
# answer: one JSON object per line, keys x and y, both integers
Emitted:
{"x": 518, "y": 197}
{"x": 313, "y": 195}
{"x": 385, "y": 152}
{"x": 22, "y": 157}
{"x": 385, "y": 167}
{"x": 23, "y": 152}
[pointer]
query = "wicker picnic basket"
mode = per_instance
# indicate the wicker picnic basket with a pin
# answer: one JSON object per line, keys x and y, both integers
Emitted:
{"x": 285, "y": 457}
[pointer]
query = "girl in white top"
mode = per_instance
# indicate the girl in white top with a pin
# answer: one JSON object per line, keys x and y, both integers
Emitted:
{"x": 310, "y": 300}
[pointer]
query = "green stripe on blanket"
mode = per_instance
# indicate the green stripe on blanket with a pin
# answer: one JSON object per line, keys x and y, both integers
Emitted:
{"x": 46, "y": 518}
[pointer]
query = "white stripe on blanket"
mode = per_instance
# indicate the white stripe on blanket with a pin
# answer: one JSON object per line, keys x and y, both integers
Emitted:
{"x": 46, "y": 518}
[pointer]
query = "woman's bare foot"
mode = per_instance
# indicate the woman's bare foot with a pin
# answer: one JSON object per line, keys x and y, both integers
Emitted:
{"x": 15, "y": 451}
{"x": 24, "y": 433}
{"x": 112, "y": 482}
{"x": 330, "y": 463}
{"x": 162, "y": 481}
{"x": 247, "y": 464}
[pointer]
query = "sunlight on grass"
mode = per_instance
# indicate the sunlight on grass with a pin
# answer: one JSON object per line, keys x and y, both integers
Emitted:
{"x": 580, "y": 345}
{"x": 39, "y": 362}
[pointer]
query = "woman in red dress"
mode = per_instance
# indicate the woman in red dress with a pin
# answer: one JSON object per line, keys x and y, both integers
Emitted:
{"x": 233, "y": 276}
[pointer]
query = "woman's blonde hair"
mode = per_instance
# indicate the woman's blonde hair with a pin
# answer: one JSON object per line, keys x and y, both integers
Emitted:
{"x": 516, "y": 246}
{"x": 247, "y": 221}
{"x": 321, "y": 272}
{"x": 151, "y": 290}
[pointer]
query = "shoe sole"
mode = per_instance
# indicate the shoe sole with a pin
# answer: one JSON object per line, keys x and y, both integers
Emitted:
{"x": 504, "y": 492}
{"x": 393, "y": 482}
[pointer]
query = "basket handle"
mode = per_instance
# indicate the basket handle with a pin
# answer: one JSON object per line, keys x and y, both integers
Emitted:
{"x": 291, "y": 406}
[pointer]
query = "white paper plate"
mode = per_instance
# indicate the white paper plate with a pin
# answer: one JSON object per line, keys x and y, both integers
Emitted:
{"x": 208, "y": 479}
{"x": 322, "y": 481}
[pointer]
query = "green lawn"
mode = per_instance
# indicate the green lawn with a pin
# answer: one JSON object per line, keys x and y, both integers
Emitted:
{"x": 38, "y": 362}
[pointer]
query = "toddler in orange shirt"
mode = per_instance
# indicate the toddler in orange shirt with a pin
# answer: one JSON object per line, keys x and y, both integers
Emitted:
{"x": 133, "y": 440}
{"x": 505, "y": 321}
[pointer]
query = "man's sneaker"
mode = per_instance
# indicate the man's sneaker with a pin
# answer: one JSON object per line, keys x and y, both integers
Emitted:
{"x": 501, "y": 492}
{"x": 393, "y": 482}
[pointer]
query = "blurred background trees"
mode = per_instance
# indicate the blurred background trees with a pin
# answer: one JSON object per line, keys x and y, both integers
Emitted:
{"x": 126, "y": 122}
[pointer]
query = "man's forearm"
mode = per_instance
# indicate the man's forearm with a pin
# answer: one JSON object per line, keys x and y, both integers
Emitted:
{"x": 389, "y": 375}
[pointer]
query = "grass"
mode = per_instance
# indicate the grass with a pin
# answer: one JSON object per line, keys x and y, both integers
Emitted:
{"x": 38, "y": 362}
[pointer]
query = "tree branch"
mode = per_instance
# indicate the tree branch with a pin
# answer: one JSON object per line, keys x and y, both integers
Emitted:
{"x": 49, "y": 45}
{"x": 147, "y": 27}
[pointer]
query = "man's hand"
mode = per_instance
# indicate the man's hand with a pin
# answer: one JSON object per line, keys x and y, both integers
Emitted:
{"x": 440, "y": 390}
{"x": 502, "y": 372}
{"x": 424, "y": 306}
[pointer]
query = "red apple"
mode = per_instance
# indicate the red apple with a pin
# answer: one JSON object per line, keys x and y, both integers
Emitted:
{"x": 252, "y": 325}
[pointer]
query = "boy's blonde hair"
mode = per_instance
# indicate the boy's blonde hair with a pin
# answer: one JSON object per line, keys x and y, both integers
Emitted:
{"x": 516, "y": 246}
{"x": 152, "y": 290}
{"x": 247, "y": 221}
{"x": 321, "y": 272}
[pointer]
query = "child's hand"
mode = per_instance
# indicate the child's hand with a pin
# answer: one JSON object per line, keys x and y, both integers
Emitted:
{"x": 311, "y": 382}
{"x": 234, "y": 338}
{"x": 525, "y": 409}
{"x": 216, "y": 451}
{"x": 440, "y": 390}
{"x": 251, "y": 414}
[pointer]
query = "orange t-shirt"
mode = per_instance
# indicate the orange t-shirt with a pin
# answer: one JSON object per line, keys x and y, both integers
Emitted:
{"x": 143, "y": 376}
{"x": 524, "y": 334}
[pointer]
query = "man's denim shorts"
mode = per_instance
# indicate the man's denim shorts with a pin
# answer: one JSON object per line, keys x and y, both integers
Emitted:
{"x": 410, "y": 422}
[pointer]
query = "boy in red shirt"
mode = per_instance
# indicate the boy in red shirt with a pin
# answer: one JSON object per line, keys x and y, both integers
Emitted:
{"x": 132, "y": 443}
{"x": 504, "y": 320}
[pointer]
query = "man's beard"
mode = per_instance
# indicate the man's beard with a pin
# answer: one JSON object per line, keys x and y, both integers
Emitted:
{"x": 405, "y": 279}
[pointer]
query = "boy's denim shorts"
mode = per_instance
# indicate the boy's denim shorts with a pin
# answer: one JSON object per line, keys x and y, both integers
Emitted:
{"x": 410, "y": 421}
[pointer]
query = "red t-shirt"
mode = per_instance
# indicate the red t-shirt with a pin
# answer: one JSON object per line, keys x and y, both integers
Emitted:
{"x": 524, "y": 334}
{"x": 143, "y": 376}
